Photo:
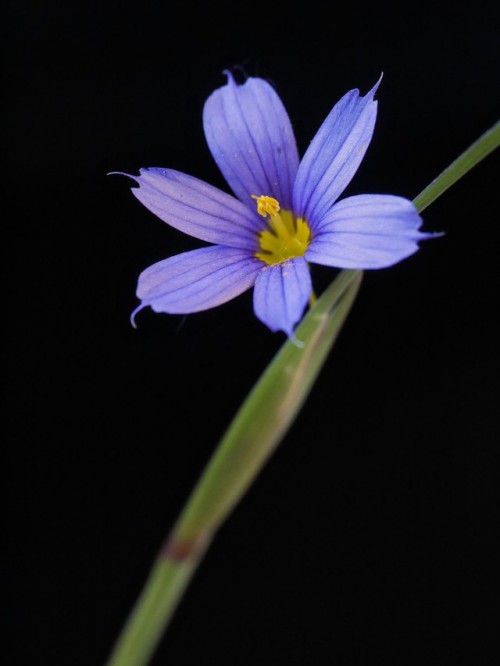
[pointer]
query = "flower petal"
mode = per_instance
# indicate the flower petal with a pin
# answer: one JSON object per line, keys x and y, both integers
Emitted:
{"x": 197, "y": 280}
{"x": 367, "y": 231}
{"x": 251, "y": 139}
{"x": 197, "y": 208}
{"x": 334, "y": 154}
{"x": 281, "y": 294}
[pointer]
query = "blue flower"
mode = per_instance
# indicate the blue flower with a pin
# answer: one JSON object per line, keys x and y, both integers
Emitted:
{"x": 285, "y": 214}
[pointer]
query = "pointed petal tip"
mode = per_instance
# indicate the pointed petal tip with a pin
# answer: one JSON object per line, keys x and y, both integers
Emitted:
{"x": 427, "y": 235}
{"x": 116, "y": 173}
{"x": 372, "y": 92}
{"x": 134, "y": 313}
{"x": 375, "y": 87}
{"x": 122, "y": 173}
{"x": 231, "y": 79}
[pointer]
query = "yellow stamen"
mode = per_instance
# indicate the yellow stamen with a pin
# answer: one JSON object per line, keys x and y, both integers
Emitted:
{"x": 285, "y": 238}
{"x": 266, "y": 205}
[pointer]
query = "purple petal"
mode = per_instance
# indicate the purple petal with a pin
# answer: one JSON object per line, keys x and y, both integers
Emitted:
{"x": 281, "y": 293}
{"x": 197, "y": 280}
{"x": 197, "y": 208}
{"x": 367, "y": 231}
{"x": 334, "y": 154}
{"x": 251, "y": 139}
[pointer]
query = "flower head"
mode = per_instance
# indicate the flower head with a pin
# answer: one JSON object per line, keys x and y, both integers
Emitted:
{"x": 285, "y": 214}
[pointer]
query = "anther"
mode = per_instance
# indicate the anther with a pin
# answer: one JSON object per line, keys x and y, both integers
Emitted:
{"x": 266, "y": 205}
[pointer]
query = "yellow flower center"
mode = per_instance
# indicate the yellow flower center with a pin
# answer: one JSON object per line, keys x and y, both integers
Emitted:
{"x": 287, "y": 236}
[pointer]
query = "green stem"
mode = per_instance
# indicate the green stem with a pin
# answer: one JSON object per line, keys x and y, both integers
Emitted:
{"x": 468, "y": 159}
{"x": 256, "y": 430}
{"x": 153, "y": 610}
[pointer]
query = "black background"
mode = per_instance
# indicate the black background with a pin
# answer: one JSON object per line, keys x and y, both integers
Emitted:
{"x": 369, "y": 537}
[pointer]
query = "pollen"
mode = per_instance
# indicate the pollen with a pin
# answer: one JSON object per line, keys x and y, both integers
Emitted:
{"x": 266, "y": 205}
{"x": 286, "y": 236}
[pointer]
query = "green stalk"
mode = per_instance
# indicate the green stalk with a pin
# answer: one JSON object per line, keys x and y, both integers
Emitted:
{"x": 153, "y": 610}
{"x": 258, "y": 427}
{"x": 468, "y": 159}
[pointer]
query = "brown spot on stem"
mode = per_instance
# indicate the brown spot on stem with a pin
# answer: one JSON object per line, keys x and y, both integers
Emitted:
{"x": 180, "y": 550}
